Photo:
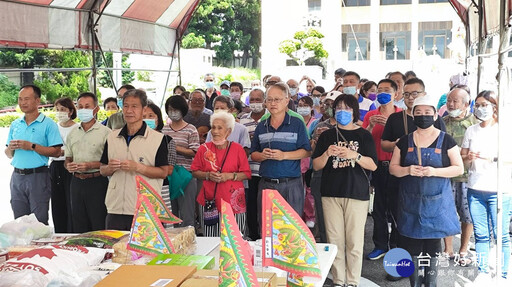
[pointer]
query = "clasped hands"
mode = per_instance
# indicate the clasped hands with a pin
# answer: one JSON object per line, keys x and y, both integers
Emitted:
{"x": 340, "y": 151}
{"x": 274, "y": 154}
{"x": 126, "y": 165}
{"x": 421, "y": 171}
{"x": 20, "y": 144}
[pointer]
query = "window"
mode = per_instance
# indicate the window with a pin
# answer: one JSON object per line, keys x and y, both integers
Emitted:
{"x": 314, "y": 5}
{"x": 433, "y": 1}
{"x": 356, "y": 44}
{"x": 394, "y": 2}
{"x": 434, "y": 37}
{"x": 353, "y": 3}
{"x": 395, "y": 40}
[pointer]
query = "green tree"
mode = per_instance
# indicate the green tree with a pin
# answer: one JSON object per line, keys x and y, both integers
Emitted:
{"x": 304, "y": 45}
{"x": 8, "y": 92}
{"x": 191, "y": 41}
{"x": 228, "y": 26}
{"x": 102, "y": 76}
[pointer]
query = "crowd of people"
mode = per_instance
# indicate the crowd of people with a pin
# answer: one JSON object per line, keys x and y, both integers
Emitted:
{"x": 432, "y": 164}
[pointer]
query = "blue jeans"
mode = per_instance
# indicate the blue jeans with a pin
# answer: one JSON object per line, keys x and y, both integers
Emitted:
{"x": 483, "y": 208}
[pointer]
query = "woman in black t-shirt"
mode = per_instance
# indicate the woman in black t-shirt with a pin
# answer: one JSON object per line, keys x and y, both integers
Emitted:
{"x": 346, "y": 154}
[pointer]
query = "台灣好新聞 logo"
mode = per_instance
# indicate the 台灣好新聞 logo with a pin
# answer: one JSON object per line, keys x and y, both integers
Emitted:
{"x": 398, "y": 262}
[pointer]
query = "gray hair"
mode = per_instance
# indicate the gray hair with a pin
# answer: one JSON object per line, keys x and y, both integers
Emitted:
{"x": 198, "y": 91}
{"x": 464, "y": 92}
{"x": 137, "y": 93}
{"x": 281, "y": 86}
{"x": 209, "y": 74}
{"x": 258, "y": 89}
{"x": 227, "y": 118}
{"x": 224, "y": 99}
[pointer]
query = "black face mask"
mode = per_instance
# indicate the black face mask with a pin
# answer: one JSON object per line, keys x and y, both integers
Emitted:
{"x": 423, "y": 122}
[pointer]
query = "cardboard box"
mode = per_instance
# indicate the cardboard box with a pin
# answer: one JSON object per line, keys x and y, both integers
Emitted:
{"x": 147, "y": 276}
{"x": 200, "y": 261}
{"x": 211, "y": 277}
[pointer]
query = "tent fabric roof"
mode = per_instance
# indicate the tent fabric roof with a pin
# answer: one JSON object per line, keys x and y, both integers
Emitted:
{"x": 468, "y": 13}
{"x": 137, "y": 26}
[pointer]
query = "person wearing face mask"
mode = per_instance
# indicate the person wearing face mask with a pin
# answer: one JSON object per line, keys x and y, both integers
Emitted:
{"x": 239, "y": 134}
{"x": 425, "y": 160}
{"x": 153, "y": 118}
{"x": 384, "y": 204}
{"x": 346, "y": 155}
{"x": 210, "y": 92}
{"x": 294, "y": 91}
{"x": 369, "y": 91}
{"x": 222, "y": 165}
{"x": 59, "y": 175}
{"x": 235, "y": 90}
{"x": 251, "y": 120}
{"x": 350, "y": 83}
{"x": 111, "y": 107}
{"x": 457, "y": 121}
{"x": 480, "y": 154}
{"x": 186, "y": 140}
{"x": 316, "y": 93}
{"x": 305, "y": 109}
{"x": 84, "y": 147}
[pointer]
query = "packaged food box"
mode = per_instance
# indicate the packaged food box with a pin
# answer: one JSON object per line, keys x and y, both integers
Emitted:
{"x": 147, "y": 275}
{"x": 200, "y": 261}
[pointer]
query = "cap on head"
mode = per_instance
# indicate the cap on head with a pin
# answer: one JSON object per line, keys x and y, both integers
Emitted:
{"x": 332, "y": 95}
{"x": 425, "y": 100}
{"x": 225, "y": 83}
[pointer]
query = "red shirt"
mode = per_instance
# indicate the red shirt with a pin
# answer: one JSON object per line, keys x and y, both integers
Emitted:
{"x": 209, "y": 158}
{"x": 377, "y": 131}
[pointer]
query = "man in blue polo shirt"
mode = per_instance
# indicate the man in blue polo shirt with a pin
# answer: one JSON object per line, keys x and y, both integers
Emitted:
{"x": 279, "y": 143}
{"x": 32, "y": 139}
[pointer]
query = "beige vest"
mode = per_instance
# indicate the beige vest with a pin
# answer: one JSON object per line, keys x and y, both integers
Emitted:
{"x": 122, "y": 190}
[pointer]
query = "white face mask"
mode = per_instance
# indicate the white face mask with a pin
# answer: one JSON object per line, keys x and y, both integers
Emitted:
{"x": 304, "y": 111}
{"x": 175, "y": 115}
{"x": 85, "y": 115}
{"x": 293, "y": 91}
{"x": 256, "y": 107}
{"x": 484, "y": 114}
{"x": 455, "y": 113}
{"x": 62, "y": 117}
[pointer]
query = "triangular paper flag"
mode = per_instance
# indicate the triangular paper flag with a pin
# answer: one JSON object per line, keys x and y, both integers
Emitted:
{"x": 164, "y": 214}
{"x": 147, "y": 234}
{"x": 287, "y": 242}
{"x": 234, "y": 261}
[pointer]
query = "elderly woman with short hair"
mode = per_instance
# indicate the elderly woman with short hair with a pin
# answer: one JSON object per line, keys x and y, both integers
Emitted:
{"x": 223, "y": 165}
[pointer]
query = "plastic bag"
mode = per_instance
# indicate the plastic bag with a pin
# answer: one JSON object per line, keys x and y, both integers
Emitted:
{"x": 25, "y": 278}
{"x": 24, "y": 229}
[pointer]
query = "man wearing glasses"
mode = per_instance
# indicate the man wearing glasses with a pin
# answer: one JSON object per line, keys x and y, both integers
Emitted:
{"x": 196, "y": 115}
{"x": 397, "y": 125}
{"x": 280, "y": 141}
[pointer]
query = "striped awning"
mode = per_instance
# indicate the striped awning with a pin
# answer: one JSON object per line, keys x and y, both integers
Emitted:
{"x": 132, "y": 26}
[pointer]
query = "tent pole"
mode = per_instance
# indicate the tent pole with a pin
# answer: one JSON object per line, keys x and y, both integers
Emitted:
{"x": 480, "y": 43}
{"x": 93, "y": 52}
{"x": 105, "y": 62}
{"x": 179, "y": 62}
{"x": 170, "y": 68}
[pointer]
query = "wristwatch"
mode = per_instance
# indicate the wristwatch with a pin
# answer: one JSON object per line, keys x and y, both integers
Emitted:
{"x": 33, "y": 146}
{"x": 358, "y": 158}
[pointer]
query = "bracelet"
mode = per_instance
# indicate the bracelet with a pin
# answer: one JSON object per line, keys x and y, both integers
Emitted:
{"x": 235, "y": 175}
{"x": 207, "y": 176}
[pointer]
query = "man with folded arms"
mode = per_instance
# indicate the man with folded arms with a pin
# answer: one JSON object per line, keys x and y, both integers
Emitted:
{"x": 84, "y": 147}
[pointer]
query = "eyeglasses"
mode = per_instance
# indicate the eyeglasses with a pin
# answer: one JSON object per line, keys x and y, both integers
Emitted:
{"x": 327, "y": 104}
{"x": 414, "y": 94}
{"x": 277, "y": 101}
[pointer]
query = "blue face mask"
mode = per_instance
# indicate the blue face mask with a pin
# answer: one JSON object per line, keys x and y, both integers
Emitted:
{"x": 316, "y": 101}
{"x": 209, "y": 85}
{"x": 151, "y": 123}
{"x": 120, "y": 102}
{"x": 85, "y": 115}
{"x": 383, "y": 98}
{"x": 350, "y": 90}
{"x": 343, "y": 117}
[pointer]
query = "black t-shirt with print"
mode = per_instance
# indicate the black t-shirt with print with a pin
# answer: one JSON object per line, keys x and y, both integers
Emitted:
{"x": 346, "y": 180}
